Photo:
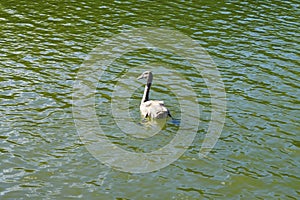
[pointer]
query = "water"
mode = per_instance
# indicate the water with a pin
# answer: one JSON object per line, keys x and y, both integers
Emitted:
{"x": 256, "y": 49}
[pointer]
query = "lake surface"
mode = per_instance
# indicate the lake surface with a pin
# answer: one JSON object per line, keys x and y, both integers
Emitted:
{"x": 255, "y": 47}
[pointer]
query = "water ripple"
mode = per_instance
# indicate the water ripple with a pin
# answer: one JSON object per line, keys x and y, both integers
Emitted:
{"x": 255, "y": 46}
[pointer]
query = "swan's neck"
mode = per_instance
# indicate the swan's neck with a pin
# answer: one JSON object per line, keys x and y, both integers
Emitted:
{"x": 146, "y": 93}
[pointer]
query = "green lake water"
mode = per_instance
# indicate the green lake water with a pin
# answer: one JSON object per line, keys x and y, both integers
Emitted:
{"x": 255, "y": 46}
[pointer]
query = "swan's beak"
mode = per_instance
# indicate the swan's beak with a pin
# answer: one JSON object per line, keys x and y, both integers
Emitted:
{"x": 140, "y": 77}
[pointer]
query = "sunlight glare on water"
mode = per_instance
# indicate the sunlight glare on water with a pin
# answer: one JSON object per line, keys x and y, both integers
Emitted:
{"x": 255, "y": 47}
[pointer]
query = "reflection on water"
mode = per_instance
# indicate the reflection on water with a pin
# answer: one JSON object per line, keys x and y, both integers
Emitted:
{"x": 255, "y": 46}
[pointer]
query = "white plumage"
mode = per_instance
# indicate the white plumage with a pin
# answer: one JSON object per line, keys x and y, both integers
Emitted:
{"x": 152, "y": 108}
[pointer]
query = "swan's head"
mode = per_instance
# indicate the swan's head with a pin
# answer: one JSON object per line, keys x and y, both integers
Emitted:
{"x": 147, "y": 75}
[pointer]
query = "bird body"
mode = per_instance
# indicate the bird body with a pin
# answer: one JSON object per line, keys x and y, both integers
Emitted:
{"x": 154, "y": 109}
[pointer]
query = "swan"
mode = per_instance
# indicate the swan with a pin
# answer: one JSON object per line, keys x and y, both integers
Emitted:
{"x": 152, "y": 108}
